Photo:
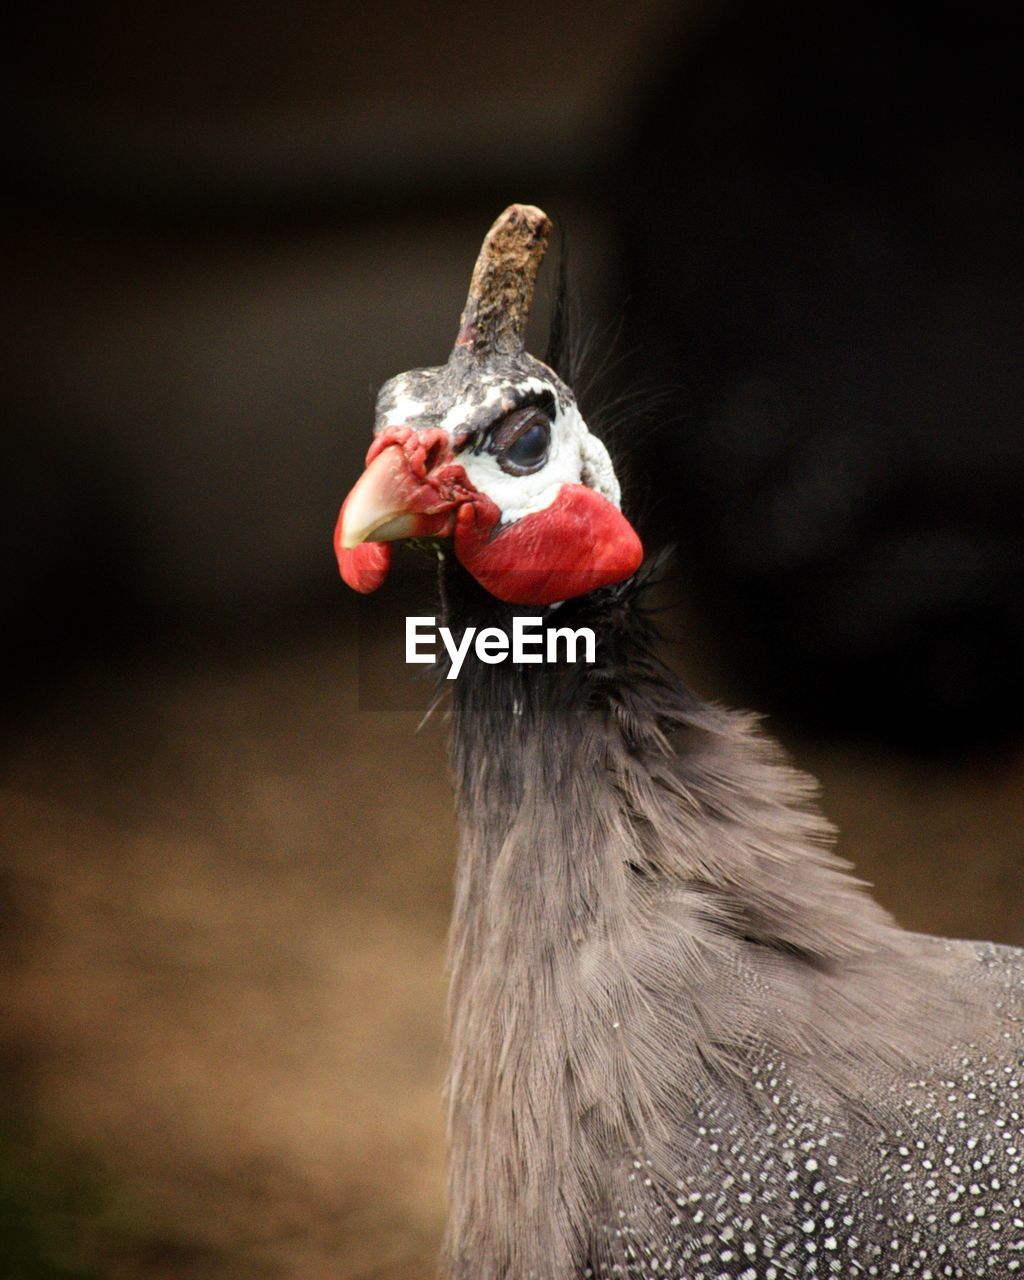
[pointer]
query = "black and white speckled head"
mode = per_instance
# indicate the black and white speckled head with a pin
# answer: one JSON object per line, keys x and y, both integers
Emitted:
{"x": 471, "y": 395}
{"x": 490, "y": 375}
{"x": 491, "y": 449}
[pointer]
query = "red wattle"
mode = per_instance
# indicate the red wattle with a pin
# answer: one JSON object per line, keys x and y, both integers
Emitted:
{"x": 578, "y": 543}
{"x": 364, "y": 567}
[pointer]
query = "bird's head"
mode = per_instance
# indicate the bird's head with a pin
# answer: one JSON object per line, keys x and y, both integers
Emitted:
{"x": 490, "y": 451}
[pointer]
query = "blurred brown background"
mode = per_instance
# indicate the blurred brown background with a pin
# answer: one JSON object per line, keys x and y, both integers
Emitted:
{"x": 225, "y": 881}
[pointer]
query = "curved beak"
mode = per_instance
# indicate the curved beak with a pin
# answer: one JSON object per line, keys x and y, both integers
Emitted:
{"x": 390, "y": 502}
{"x": 406, "y": 491}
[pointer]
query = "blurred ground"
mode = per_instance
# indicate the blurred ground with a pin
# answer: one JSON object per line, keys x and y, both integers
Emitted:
{"x": 227, "y": 954}
{"x": 229, "y": 891}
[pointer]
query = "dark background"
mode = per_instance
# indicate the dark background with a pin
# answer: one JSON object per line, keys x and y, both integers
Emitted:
{"x": 793, "y": 236}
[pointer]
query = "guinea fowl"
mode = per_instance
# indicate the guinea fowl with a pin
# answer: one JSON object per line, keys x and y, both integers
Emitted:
{"x": 684, "y": 1039}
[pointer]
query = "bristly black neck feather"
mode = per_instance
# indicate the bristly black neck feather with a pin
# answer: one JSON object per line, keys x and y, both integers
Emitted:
{"x": 626, "y": 726}
{"x": 646, "y": 895}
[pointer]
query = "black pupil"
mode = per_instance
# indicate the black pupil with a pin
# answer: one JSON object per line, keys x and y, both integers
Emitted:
{"x": 530, "y": 448}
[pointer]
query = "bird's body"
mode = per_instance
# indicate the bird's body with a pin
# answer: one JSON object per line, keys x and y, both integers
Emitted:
{"x": 684, "y": 1039}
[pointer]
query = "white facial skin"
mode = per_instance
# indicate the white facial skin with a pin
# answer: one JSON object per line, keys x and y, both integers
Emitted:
{"x": 575, "y": 456}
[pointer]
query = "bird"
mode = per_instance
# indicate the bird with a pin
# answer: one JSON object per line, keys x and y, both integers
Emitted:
{"x": 684, "y": 1039}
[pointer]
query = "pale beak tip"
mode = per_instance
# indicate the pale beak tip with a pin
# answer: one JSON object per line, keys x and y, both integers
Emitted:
{"x": 390, "y": 503}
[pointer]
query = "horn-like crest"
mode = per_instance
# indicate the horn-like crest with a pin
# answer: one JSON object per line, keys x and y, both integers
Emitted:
{"x": 500, "y": 293}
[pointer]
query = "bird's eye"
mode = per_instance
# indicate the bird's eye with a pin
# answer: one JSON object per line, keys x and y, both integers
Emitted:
{"x": 522, "y": 440}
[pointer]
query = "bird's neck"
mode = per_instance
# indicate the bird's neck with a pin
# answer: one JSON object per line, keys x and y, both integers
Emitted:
{"x": 626, "y": 851}
{"x": 534, "y": 797}
{"x": 535, "y": 885}
{"x": 581, "y": 787}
